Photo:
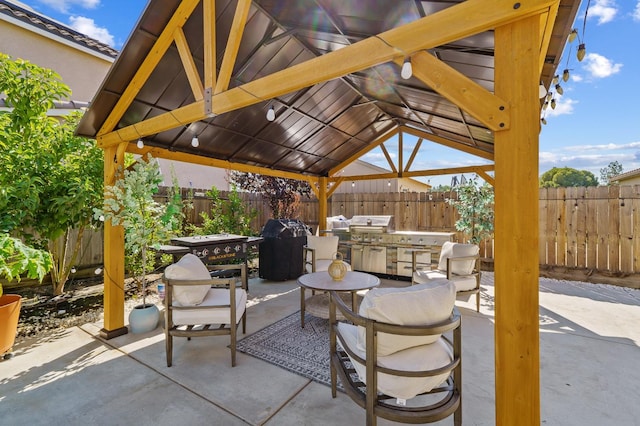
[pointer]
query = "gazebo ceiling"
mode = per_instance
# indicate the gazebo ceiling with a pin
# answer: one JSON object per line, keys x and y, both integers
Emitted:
{"x": 319, "y": 127}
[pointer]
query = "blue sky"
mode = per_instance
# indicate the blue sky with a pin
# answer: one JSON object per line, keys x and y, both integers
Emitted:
{"x": 596, "y": 120}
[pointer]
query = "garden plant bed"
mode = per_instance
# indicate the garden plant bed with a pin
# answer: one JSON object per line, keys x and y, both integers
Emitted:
{"x": 81, "y": 303}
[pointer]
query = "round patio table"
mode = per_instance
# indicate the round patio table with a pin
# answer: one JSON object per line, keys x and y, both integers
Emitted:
{"x": 318, "y": 304}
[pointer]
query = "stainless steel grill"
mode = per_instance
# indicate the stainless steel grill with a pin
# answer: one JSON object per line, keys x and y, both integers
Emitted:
{"x": 376, "y": 246}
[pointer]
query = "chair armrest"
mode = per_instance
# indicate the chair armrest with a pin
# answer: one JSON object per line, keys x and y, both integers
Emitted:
{"x": 305, "y": 254}
{"x": 474, "y": 271}
{"x": 414, "y": 259}
{"x": 212, "y": 282}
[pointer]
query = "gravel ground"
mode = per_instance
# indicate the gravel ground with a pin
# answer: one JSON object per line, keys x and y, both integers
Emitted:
{"x": 81, "y": 303}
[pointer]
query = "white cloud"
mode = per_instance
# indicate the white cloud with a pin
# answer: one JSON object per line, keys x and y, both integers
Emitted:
{"x": 604, "y": 147}
{"x": 636, "y": 12}
{"x": 87, "y": 26}
{"x": 600, "y": 67}
{"x": 564, "y": 106}
{"x": 604, "y": 10}
{"x": 64, "y": 5}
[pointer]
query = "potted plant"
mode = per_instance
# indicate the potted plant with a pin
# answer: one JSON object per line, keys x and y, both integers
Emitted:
{"x": 147, "y": 223}
{"x": 16, "y": 258}
{"x": 475, "y": 207}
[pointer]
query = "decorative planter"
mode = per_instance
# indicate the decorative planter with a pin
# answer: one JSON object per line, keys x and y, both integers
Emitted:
{"x": 143, "y": 318}
{"x": 337, "y": 268}
{"x": 9, "y": 313}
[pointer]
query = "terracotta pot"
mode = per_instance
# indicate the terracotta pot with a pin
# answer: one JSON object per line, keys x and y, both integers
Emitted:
{"x": 9, "y": 313}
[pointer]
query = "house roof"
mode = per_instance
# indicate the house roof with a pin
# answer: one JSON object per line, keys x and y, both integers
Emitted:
{"x": 29, "y": 17}
{"x": 627, "y": 175}
{"x": 336, "y": 112}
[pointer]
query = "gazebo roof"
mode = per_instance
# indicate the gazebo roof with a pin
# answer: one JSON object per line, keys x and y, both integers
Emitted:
{"x": 337, "y": 111}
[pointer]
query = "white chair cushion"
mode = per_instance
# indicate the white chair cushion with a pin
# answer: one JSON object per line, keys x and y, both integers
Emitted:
{"x": 418, "y": 358}
{"x": 325, "y": 246}
{"x": 422, "y": 304}
{"x": 189, "y": 267}
{"x": 462, "y": 283}
{"x": 323, "y": 265}
{"x": 213, "y": 297}
{"x": 450, "y": 249}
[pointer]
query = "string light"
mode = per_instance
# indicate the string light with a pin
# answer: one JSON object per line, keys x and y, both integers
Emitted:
{"x": 271, "y": 114}
{"x": 140, "y": 144}
{"x": 195, "y": 142}
{"x": 407, "y": 69}
{"x": 542, "y": 91}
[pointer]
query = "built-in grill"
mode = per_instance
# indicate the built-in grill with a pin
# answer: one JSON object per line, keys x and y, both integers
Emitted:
{"x": 376, "y": 246}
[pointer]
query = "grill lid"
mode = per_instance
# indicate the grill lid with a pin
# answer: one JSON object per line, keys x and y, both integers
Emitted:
{"x": 372, "y": 224}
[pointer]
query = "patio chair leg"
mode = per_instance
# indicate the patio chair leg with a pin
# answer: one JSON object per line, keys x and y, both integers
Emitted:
{"x": 169, "y": 348}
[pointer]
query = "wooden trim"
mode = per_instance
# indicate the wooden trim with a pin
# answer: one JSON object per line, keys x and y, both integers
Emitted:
{"x": 448, "y": 143}
{"x": 189, "y": 64}
{"x": 461, "y": 90}
{"x": 383, "y": 138}
{"x": 233, "y": 44}
{"x": 113, "y": 253}
{"x": 209, "y": 35}
{"x": 148, "y": 65}
{"x": 517, "y": 332}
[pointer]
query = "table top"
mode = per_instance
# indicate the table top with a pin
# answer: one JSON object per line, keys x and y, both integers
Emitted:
{"x": 352, "y": 281}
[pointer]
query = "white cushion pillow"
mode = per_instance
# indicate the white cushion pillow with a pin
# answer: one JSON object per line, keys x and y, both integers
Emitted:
{"x": 422, "y": 304}
{"x": 420, "y": 358}
{"x": 325, "y": 247}
{"x": 450, "y": 249}
{"x": 189, "y": 267}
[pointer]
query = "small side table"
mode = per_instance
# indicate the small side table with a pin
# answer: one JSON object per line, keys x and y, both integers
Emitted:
{"x": 321, "y": 281}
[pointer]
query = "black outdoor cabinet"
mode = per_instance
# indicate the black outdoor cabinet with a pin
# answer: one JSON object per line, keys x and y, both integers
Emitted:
{"x": 281, "y": 249}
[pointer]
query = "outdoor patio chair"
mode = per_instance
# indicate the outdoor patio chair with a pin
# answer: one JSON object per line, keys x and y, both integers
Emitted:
{"x": 198, "y": 305}
{"x": 459, "y": 263}
{"x": 319, "y": 252}
{"x": 393, "y": 357}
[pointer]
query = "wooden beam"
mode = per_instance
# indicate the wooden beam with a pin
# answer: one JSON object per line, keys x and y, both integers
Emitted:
{"x": 322, "y": 203}
{"x": 209, "y": 34}
{"x": 547, "y": 21}
{"x": 415, "y": 151}
{"x": 113, "y": 255}
{"x": 416, "y": 173}
{"x": 213, "y": 162}
{"x": 517, "y": 334}
{"x": 448, "y": 143}
{"x": 461, "y": 90}
{"x": 188, "y": 64}
{"x": 487, "y": 177}
{"x": 148, "y": 65}
{"x": 233, "y": 44}
{"x": 336, "y": 183}
{"x": 160, "y": 123}
{"x": 388, "y": 156}
{"x": 451, "y": 24}
{"x": 380, "y": 140}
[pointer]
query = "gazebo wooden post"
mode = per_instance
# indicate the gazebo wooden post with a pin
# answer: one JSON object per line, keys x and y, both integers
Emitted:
{"x": 113, "y": 255}
{"x": 517, "y": 346}
{"x": 322, "y": 203}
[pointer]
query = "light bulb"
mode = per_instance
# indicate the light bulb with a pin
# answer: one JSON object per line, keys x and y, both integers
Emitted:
{"x": 407, "y": 69}
{"x": 271, "y": 114}
{"x": 559, "y": 89}
{"x": 140, "y": 144}
{"x": 73, "y": 270}
{"x": 555, "y": 80}
{"x": 195, "y": 142}
{"x": 542, "y": 91}
{"x": 98, "y": 271}
{"x": 553, "y": 104}
{"x": 544, "y": 120}
{"x": 565, "y": 75}
{"x": 581, "y": 52}
{"x": 572, "y": 35}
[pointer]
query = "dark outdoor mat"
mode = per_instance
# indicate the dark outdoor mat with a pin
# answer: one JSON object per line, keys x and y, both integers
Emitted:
{"x": 304, "y": 351}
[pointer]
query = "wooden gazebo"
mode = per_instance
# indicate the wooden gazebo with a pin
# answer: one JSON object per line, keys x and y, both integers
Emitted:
{"x": 331, "y": 72}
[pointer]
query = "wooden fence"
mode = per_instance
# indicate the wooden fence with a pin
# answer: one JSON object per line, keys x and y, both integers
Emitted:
{"x": 587, "y": 228}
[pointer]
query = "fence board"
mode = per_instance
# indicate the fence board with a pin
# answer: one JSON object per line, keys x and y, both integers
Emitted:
{"x": 599, "y": 233}
{"x": 591, "y": 210}
{"x": 626, "y": 228}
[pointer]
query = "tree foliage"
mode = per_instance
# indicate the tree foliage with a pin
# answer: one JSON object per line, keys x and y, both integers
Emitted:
{"x": 147, "y": 223}
{"x": 50, "y": 180}
{"x": 607, "y": 173}
{"x": 283, "y": 195}
{"x": 229, "y": 215}
{"x": 475, "y": 207}
{"x": 17, "y": 258}
{"x": 558, "y": 177}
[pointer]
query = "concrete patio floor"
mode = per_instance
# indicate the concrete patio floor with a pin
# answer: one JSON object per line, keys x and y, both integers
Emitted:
{"x": 590, "y": 369}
